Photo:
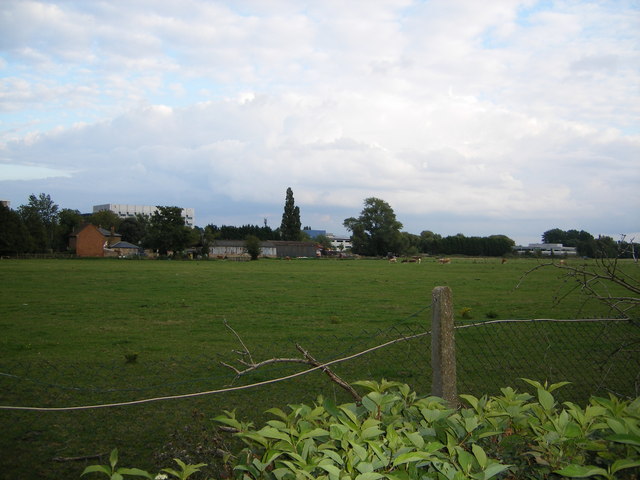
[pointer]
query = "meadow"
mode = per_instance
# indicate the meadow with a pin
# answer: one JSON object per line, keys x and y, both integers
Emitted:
{"x": 88, "y": 332}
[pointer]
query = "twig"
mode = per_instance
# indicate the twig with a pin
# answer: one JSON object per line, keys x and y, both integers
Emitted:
{"x": 312, "y": 361}
{"x": 77, "y": 459}
{"x": 239, "y": 339}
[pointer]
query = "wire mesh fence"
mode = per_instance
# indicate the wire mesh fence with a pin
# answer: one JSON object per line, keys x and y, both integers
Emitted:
{"x": 597, "y": 357}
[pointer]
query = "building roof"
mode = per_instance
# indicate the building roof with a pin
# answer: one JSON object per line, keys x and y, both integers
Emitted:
{"x": 240, "y": 243}
{"x": 122, "y": 244}
{"x": 103, "y": 231}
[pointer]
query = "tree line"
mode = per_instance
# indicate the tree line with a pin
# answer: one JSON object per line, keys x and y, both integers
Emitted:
{"x": 587, "y": 245}
{"x": 377, "y": 232}
{"x": 41, "y": 226}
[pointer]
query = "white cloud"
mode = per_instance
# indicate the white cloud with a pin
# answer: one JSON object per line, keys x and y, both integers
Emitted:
{"x": 507, "y": 110}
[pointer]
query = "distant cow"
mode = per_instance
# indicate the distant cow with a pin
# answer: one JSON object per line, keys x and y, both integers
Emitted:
{"x": 444, "y": 260}
{"x": 393, "y": 260}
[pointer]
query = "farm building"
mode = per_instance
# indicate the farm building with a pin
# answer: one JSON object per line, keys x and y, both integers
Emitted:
{"x": 236, "y": 248}
{"x": 546, "y": 249}
{"x": 91, "y": 241}
{"x": 295, "y": 249}
{"x": 122, "y": 249}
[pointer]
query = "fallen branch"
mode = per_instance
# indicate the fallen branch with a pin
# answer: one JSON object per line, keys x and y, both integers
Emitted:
{"x": 306, "y": 359}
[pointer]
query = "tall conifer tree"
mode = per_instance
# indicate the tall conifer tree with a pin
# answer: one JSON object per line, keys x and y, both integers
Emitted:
{"x": 290, "y": 226}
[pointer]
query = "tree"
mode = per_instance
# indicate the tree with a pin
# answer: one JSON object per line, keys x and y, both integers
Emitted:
{"x": 429, "y": 242}
{"x": 324, "y": 241}
{"x": 376, "y": 231}
{"x": 167, "y": 231}
{"x": 410, "y": 244}
{"x": 585, "y": 244}
{"x": 252, "y": 244}
{"x": 14, "y": 236}
{"x": 290, "y": 226}
{"x": 134, "y": 229}
{"x": 68, "y": 221}
{"x": 40, "y": 216}
{"x": 106, "y": 219}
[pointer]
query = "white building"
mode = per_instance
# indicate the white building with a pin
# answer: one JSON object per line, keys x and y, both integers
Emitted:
{"x": 547, "y": 249}
{"x": 340, "y": 243}
{"x": 125, "y": 210}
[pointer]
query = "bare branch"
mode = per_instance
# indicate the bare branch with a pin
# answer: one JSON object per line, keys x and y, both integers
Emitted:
{"x": 332, "y": 376}
{"x": 306, "y": 359}
{"x": 246, "y": 350}
{"x": 600, "y": 281}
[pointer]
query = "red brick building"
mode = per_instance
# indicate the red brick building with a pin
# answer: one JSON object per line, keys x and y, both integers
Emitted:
{"x": 91, "y": 241}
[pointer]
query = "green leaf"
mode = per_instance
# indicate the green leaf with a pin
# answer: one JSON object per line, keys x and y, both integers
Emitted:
{"x": 373, "y": 386}
{"x": 369, "y": 476}
{"x": 359, "y": 450}
{"x": 626, "y": 438}
{"x": 624, "y": 463}
{"x": 480, "y": 455}
{"x": 97, "y": 468}
{"x": 270, "y": 432}
{"x": 493, "y": 470}
{"x": 232, "y": 422}
{"x": 369, "y": 404}
{"x": 254, "y": 437}
{"x": 331, "y": 408}
{"x": 581, "y": 471}
{"x": 371, "y": 432}
{"x": 330, "y": 469}
{"x": 316, "y": 432}
{"x": 471, "y": 400}
{"x": 278, "y": 413}
{"x": 416, "y": 439}
{"x": 470, "y": 423}
{"x": 364, "y": 467}
{"x": 555, "y": 386}
{"x": 349, "y": 413}
{"x": 113, "y": 458}
{"x": 465, "y": 459}
{"x": 546, "y": 399}
{"x": 412, "y": 457}
{"x": 135, "y": 471}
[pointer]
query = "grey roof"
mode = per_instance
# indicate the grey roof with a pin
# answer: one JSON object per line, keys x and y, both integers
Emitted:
{"x": 124, "y": 245}
{"x": 107, "y": 233}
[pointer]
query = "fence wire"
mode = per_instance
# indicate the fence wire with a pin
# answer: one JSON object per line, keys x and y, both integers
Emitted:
{"x": 598, "y": 357}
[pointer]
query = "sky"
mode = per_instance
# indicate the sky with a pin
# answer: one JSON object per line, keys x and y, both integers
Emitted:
{"x": 499, "y": 117}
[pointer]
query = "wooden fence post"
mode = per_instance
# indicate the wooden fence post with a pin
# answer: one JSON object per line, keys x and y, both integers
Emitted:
{"x": 443, "y": 346}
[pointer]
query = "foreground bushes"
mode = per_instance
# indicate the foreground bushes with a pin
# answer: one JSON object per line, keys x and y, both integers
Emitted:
{"x": 396, "y": 435}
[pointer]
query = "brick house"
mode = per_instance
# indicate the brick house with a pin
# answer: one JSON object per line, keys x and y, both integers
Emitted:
{"x": 91, "y": 241}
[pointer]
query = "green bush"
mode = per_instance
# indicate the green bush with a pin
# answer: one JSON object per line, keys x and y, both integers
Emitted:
{"x": 395, "y": 434}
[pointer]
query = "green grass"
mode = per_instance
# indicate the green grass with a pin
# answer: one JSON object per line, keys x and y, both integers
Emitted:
{"x": 69, "y": 325}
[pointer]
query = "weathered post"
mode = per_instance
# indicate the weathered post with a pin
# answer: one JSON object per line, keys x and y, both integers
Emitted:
{"x": 443, "y": 346}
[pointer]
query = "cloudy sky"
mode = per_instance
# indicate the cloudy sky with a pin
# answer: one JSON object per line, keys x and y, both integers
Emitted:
{"x": 501, "y": 116}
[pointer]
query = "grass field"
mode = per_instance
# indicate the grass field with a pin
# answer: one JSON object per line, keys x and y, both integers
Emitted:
{"x": 69, "y": 327}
